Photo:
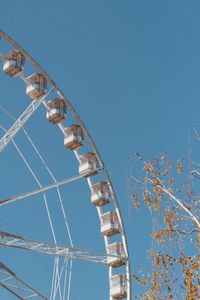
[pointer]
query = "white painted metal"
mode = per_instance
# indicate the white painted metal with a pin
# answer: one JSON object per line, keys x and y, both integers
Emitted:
{"x": 19, "y": 123}
{"x": 13, "y": 63}
{"x": 100, "y": 162}
{"x": 100, "y": 194}
{"x": 110, "y": 224}
{"x": 42, "y": 189}
{"x": 13, "y": 241}
{"x": 116, "y": 249}
{"x": 88, "y": 164}
{"x": 118, "y": 286}
{"x": 36, "y": 87}
{"x": 73, "y": 137}
{"x": 10, "y": 68}
{"x": 16, "y": 286}
{"x": 56, "y": 111}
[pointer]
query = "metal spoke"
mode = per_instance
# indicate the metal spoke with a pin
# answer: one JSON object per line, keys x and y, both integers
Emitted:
{"x": 41, "y": 190}
{"x": 14, "y": 241}
{"x": 16, "y": 286}
{"x": 19, "y": 123}
{"x": 54, "y": 249}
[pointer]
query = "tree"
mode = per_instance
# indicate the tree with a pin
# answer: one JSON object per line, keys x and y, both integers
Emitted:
{"x": 175, "y": 272}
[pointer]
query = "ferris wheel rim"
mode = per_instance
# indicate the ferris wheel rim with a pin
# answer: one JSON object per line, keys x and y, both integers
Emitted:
{"x": 93, "y": 146}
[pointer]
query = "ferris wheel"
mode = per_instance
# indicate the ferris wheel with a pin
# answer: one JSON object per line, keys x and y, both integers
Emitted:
{"x": 42, "y": 92}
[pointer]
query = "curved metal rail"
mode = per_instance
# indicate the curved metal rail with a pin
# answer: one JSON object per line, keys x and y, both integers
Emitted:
{"x": 87, "y": 135}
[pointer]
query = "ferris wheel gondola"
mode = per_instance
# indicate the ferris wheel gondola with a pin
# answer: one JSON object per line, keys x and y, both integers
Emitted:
{"x": 90, "y": 165}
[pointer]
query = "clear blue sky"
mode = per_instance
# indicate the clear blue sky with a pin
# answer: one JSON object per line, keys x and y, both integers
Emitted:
{"x": 131, "y": 69}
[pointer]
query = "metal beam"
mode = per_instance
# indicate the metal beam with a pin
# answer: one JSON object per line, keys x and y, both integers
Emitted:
{"x": 16, "y": 286}
{"x": 43, "y": 189}
{"x": 9, "y": 135}
{"x": 18, "y": 242}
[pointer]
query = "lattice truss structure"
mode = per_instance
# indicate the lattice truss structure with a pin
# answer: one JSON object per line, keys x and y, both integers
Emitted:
{"x": 14, "y": 241}
{"x": 16, "y": 286}
{"x": 39, "y": 87}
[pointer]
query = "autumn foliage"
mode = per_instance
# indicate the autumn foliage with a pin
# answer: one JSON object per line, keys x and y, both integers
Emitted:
{"x": 174, "y": 256}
